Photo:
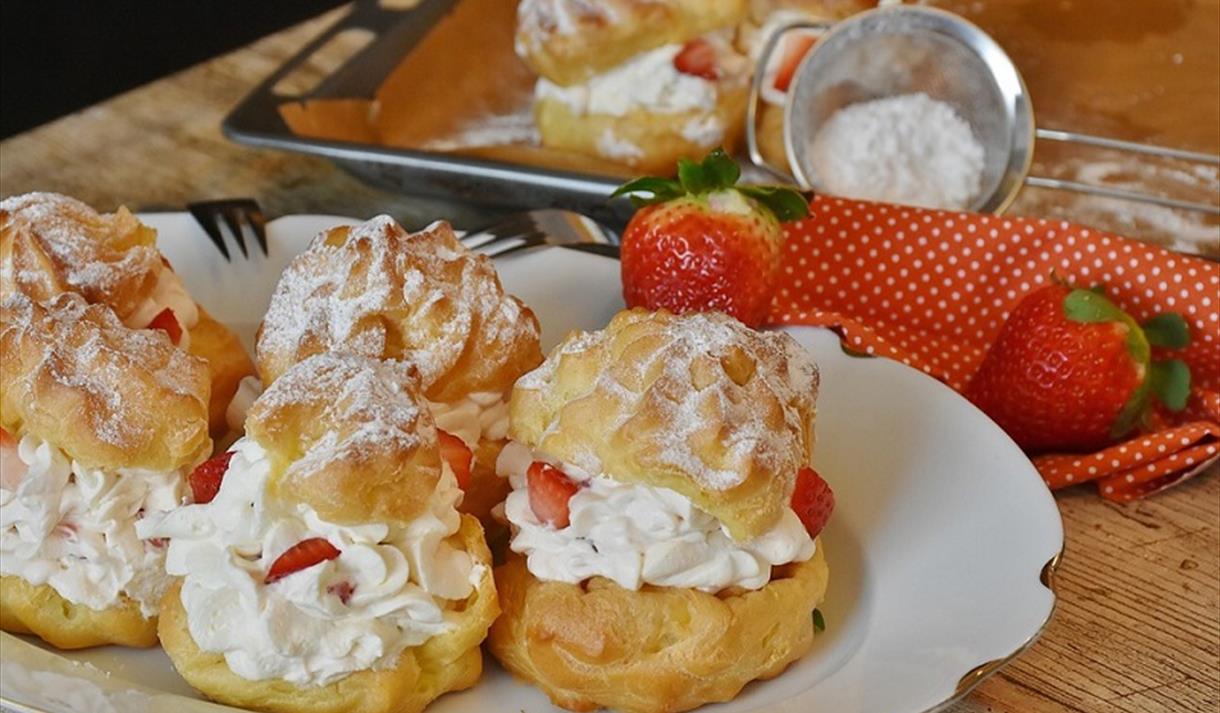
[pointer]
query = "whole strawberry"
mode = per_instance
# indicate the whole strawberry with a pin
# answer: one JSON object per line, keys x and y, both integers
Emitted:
{"x": 1070, "y": 370}
{"x": 702, "y": 243}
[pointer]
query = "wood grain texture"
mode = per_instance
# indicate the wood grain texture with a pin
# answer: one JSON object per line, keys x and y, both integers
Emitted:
{"x": 1138, "y": 622}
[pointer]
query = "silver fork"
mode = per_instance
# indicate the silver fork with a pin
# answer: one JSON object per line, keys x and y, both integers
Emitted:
{"x": 545, "y": 226}
{"x": 238, "y": 215}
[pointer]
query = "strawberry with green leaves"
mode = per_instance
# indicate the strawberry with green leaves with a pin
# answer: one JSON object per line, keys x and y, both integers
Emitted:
{"x": 703, "y": 243}
{"x": 1071, "y": 371}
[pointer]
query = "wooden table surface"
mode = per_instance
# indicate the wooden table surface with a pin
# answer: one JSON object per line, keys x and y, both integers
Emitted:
{"x": 1137, "y": 627}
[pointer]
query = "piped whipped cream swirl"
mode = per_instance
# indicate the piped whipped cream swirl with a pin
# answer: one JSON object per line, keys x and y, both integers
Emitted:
{"x": 478, "y": 416}
{"x": 356, "y": 612}
{"x": 648, "y": 81}
{"x": 638, "y": 534}
{"x": 74, "y": 527}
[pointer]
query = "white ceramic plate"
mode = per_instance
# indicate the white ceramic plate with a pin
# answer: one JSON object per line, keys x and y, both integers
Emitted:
{"x": 941, "y": 548}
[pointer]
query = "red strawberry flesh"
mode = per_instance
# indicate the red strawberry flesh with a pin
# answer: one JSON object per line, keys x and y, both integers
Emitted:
{"x": 167, "y": 322}
{"x": 302, "y": 555}
{"x": 550, "y": 490}
{"x": 795, "y": 48}
{"x": 205, "y": 480}
{"x": 343, "y": 590}
{"x": 457, "y": 454}
{"x": 698, "y": 59}
{"x": 812, "y": 500}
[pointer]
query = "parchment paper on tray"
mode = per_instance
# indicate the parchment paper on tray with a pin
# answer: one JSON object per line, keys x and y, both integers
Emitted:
{"x": 461, "y": 90}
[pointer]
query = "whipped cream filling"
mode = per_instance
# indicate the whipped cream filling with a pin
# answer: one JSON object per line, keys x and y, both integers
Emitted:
{"x": 637, "y": 534}
{"x": 482, "y": 415}
{"x": 168, "y": 292}
{"x": 248, "y": 391}
{"x": 75, "y": 528}
{"x": 356, "y": 612}
{"x": 647, "y": 81}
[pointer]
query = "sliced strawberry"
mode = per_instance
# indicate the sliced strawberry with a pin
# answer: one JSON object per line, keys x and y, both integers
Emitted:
{"x": 550, "y": 491}
{"x": 302, "y": 555}
{"x": 812, "y": 500}
{"x": 12, "y": 469}
{"x": 167, "y": 322}
{"x": 457, "y": 455}
{"x": 206, "y": 478}
{"x": 343, "y": 590}
{"x": 697, "y": 58}
{"x": 795, "y": 48}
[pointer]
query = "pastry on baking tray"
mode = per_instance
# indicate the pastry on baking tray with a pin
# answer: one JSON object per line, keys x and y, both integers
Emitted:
{"x": 670, "y": 83}
{"x": 658, "y": 558}
{"x": 323, "y": 566}
{"x": 99, "y": 425}
{"x": 378, "y": 291}
{"x": 50, "y": 243}
{"x": 570, "y": 41}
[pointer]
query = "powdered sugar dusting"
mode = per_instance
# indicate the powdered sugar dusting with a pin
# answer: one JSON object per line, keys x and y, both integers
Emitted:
{"x": 538, "y": 19}
{"x": 368, "y": 406}
{"x": 377, "y": 291}
{"x": 118, "y": 371}
{"x": 683, "y": 380}
{"x": 910, "y": 149}
{"x": 109, "y": 259}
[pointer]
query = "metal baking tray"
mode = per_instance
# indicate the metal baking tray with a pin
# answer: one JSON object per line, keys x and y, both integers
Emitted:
{"x": 257, "y": 121}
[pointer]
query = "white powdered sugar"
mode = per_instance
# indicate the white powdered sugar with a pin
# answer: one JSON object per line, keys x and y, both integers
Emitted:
{"x": 367, "y": 401}
{"x": 377, "y": 291}
{"x": 87, "y": 349}
{"x": 663, "y": 382}
{"x": 90, "y": 253}
{"x": 538, "y": 19}
{"x": 908, "y": 149}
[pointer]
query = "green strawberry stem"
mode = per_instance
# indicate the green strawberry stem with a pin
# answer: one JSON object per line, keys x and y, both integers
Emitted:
{"x": 1167, "y": 381}
{"x": 716, "y": 172}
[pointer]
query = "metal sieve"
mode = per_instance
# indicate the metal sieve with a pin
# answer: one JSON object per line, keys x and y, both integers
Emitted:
{"x": 904, "y": 50}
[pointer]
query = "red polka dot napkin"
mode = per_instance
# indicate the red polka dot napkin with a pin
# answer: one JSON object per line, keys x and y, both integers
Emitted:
{"x": 932, "y": 289}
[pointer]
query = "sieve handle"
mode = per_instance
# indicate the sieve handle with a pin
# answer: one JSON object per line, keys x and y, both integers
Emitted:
{"x": 760, "y": 70}
{"x": 1120, "y": 194}
{"x": 1073, "y": 137}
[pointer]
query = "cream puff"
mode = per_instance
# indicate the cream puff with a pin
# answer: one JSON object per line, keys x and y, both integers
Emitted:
{"x": 378, "y": 291}
{"x": 638, "y": 83}
{"x": 323, "y": 565}
{"x": 99, "y": 425}
{"x": 570, "y": 41}
{"x": 51, "y": 244}
{"x": 664, "y": 514}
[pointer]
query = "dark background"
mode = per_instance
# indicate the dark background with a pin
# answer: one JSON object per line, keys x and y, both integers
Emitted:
{"x": 58, "y": 56}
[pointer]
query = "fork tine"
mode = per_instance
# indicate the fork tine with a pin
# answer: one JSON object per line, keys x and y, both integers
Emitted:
{"x": 503, "y": 247}
{"x": 258, "y": 223}
{"x": 513, "y": 226}
{"x": 205, "y": 215}
{"x": 233, "y": 218}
